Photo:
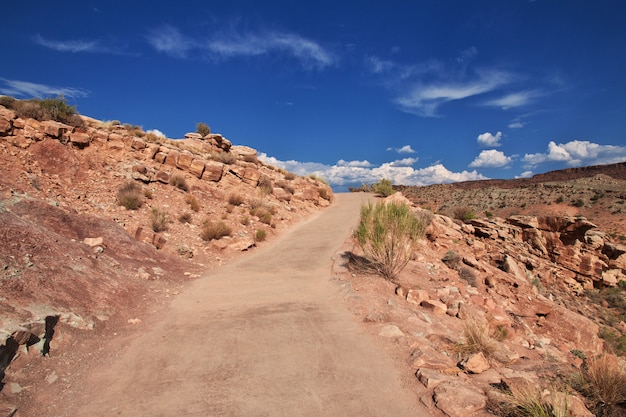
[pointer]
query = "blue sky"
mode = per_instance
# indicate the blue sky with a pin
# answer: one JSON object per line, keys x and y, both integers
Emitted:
{"x": 418, "y": 92}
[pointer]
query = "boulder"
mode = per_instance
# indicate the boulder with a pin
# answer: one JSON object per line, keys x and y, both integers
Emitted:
{"x": 172, "y": 158}
{"x": 160, "y": 157}
{"x": 430, "y": 378}
{"x": 417, "y": 296}
{"x": 163, "y": 177}
{"x": 80, "y": 139}
{"x": 197, "y": 168}
{"x": 281, "y": 194}
{"x": 6, "y": 120}
{"x": 475, "y": 364}
{"x": 459, "y": 398}
{"x": 184, "y": 160}
{"x": 213, "y": 171}
{"x": 116, "y": 142}
{"x": 193, "y": 135}
{"x": 434, "y": 306}
{"x": 93, "y": 241}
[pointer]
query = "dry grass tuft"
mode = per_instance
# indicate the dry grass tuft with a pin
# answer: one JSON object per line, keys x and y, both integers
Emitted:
{"x": 527, "y": 401}
{"x": 214, "y": 230}
{"x": 477, "y": 339}
{"x": 130, "y": 196}
{"x": 179, "y": 181}
{"x": 158, "y": 219}
{"x": 603, "y": 382}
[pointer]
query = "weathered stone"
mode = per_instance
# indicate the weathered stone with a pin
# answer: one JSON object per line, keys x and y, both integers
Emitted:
{"x": 160, "y": 157}
{"x": 242, "y": 244}
{"x": 193, "y": 135}
{"x": 197, "y": 168}
{"x": 436, "y": 307}
{"x": 80, "y": 139}
{"x": 137, "y": 144}
{"x": 509, "y": 265}
{"x": 159, "y": 241}
{"x": 93, "y": 241}
{"x": 430, "y": 378}
{"x": 172, "y": 158}
{"x": 417, "y": 296}
{"x": 151, "y": 150}
{"x": 612, "y": 276}
{"x": 281, "y": 194}
{"x": 475, "y": 364}
{"x": 213, "y": 171}
{"x": 116, "y": 142}
{"x": 578, "y": 330}
{"x": 391, "y": 331}
{"x": 6, "y": 120}
{"x": 54, "y": 129}
{"x": 144, "y": 235}
{"x": 251, "y": 176}
{"x": 163, "y": 177}
{"x": 458, "y": 398}
{"x": 184, "y": 160}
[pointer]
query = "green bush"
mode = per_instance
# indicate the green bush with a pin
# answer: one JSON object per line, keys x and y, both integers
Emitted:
{"x": 383, "y": 188}
{"x": 260, "y": 235}
{"x": 387, "y": 233}
{"x": 464, "y": 213}
{"x": 203, "y": 129}
{"x": 130, "y": 196}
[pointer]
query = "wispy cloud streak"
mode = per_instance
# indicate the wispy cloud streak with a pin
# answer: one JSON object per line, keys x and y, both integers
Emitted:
{"x": 19, "y": 88}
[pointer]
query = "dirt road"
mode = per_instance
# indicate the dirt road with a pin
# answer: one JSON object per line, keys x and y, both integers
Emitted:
{"x": 264, "y": 336}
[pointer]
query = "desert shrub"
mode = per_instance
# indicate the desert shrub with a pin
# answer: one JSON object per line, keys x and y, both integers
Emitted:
{"x": 214, "y": 230}
{"x": 147, "y": 193}
{"x": 184, "y": 217}
{"x": 290, "y": 176}
{"x": 158, "y": 219}
{"x": 245, "y": 220}
{"x": 129, "y": 195}
{"x": 179, "y": 181}
{"x": 578, "y": 203}
{"x": 464, "y": 213}
{"x": 236, "y": 199}
{"x": 476, "y": 339}
{"x": 265, "y": 184}
{"x": 528, "y": 401}
{"x": 363, "y": 188}
{"x": 57, "y": 109}
{"x": 285, "y": 186}
{"x": 317, "y": 178}
{"x": 193, "y": 202}
{"x": 134, "y": 130}
{"x": 383, "y": 188}
{"x": 559, "y": 199}
{"x": 488, "y": 214}
{"x": 152, "y": 137}
{"x": 452, "y": 259}
{"x": 468, "y": 275}
{"x": 387, "y": 233}
{"x": 251, "y": 158}
{"x": 203, "y": 129}
{"x": 28, "y": 109}
{"x": 323, "y": 193}
{"x": 264, "y": 216}
{"x": 260, "y": 235}
{"x": 227, "y": 158}
{"x": 7, "y": 101}
{"x": 603, "y": 382}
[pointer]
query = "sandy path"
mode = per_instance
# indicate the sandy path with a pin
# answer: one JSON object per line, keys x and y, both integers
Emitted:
{"x": 264, "y": 336}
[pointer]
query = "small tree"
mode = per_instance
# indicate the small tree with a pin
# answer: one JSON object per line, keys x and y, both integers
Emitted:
{"x": 387, "y": 233}
{"x": 203, "y": 129}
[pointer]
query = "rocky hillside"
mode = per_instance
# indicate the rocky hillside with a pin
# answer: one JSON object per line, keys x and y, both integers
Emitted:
{"x": 597, "y": 193}
{"x": 98, "y": 219}
{"x": 491, "y": 307}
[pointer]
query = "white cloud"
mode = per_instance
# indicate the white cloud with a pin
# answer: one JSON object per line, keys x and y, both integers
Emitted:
{"x": 233, "y": 43}
{"x": 68, "y": 46}
{"x": 488, "y": 140}
{"x": 405, "y": 162}
{"x": 398, "y": 172}
{"x": 525, "y": 174}
{"x": 157, "y": 132}
{"x": 403, "y": 150}
{"x": 516, "y": 125}
{"x": 170, "y": 41}
{"x": 577, "y": 152}
{"x": 29, "y": 89}
{"x": 425, "y": 99}
{"x": 491, "y": 159}
{"x": 362, "y": 164}
{"x": 513, "y": 100}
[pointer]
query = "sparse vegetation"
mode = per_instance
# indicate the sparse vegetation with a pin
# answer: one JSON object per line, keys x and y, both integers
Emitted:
{"x": 158, "y": 219}
{"x": 464, "y": 213}
{"x": 147, "y": 193}
{"x": 528, "y": 401}
{"x": 468, "y": 275}
{"x": 387, "y": 233}
{"x": 227, "y": 158}
{"x": 179, "y": 181}
{"x": 185, "y": 217}
{"x": 265, "y": 184}
{"x": 323, "y": 193}
{"x": 603, "y": 382}
{"x": 193, "y": 202}
{"x": 56, "y": 109}
{"x": 203, "y": 129}
{"x": 476, "y": 339}
{"x": 129, "y": 195}
{"x": 214, "y": 230}
{"x": 452, "y": 259}
{"x": 251, "y": 158}
{"x": 260, "y": 235}
{"x": 383, "y": 188}
{"x": 289, "y": 176}
{"x": 235, "y": 199}
{"x": 245, "y": 220}
{"x": 285, "y": 186}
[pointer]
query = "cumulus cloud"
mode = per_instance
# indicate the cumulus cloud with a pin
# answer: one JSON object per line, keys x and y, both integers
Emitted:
{"x": 157, "y": 132}
{"x": 403, "y": 150}
{"x": 491, "y": 159}
{"x": 577, "y": 152}
{"x": 525, "y": 174}
{"x": 19, "y": 88}
{"x": 488, "y": 140}
{"x": 398, "y": 172}
{"x": 362, "y": 164}
{"x": 233, "y": 43}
